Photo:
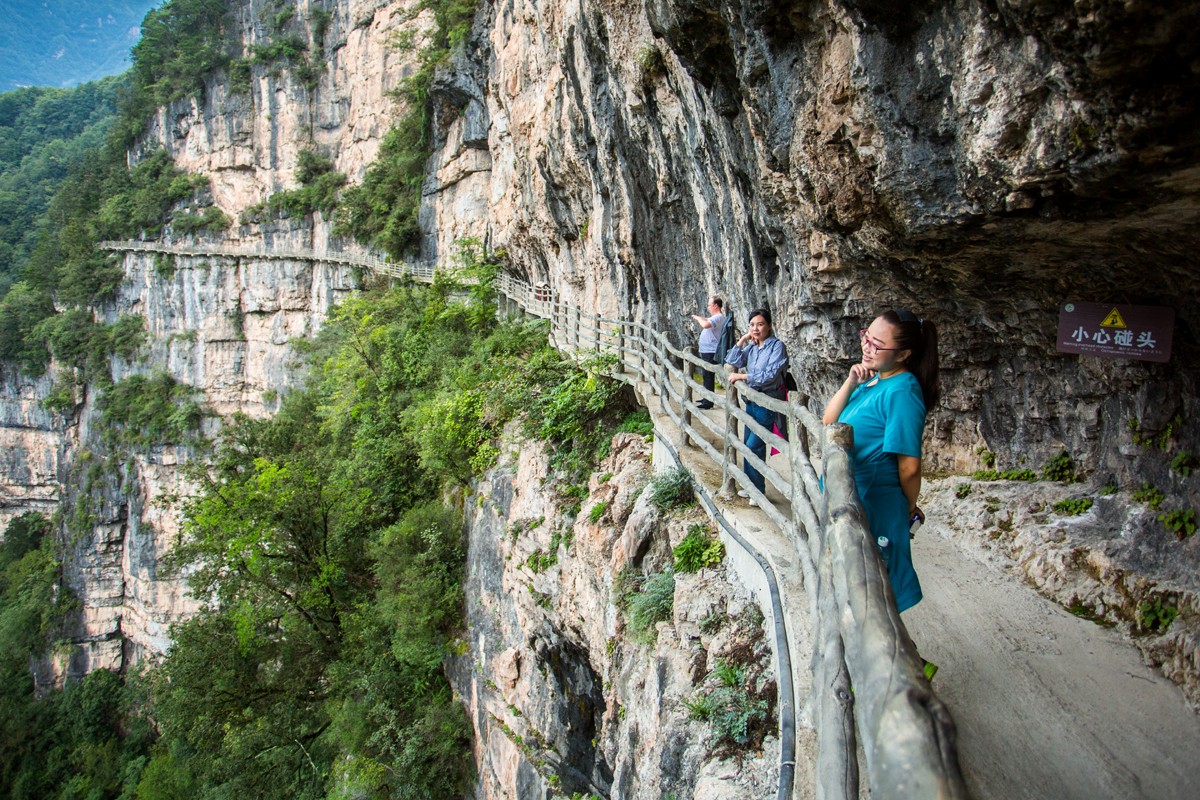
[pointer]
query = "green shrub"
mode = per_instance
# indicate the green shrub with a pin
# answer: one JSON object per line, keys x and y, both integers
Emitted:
{"x": 672, "y": 489}
{"x": 962, "y": 491}
{"x": 597, "y": 512}
{"x": 538, "y": 561}
{"x": 1156, "y": 615}
{"x": 1184, "y": 462}
{"x": 147, "y": 410}
{"x": 652, "y": 603}
{"x": 1060, "y": 468}
{"x": 1181, "y": 522}
{"x": 731, "y": 709}
{"x": 210, "y": 220}
{"x": 1004, "y": 475}
{"x": 1073, "y": 507}
{"x": 1150, "y": 495}
{"x": 698, "y": 550}
{"x": 638, "y": 422}
{"x": 319, "y": 190}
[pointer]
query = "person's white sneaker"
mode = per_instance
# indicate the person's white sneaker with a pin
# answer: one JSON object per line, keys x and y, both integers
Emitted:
{"x": 743, "y": 493}
{"x": 753, "y": 502}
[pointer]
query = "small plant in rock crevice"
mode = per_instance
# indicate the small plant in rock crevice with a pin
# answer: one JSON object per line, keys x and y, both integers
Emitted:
{"x": 697, "y": 550}
{"x": 1184, "y": 462}
{"x": 962, "y": 491}
{"x": 1156, "y": 615}
{"x": 672, "y": 489}
{"x": 1181, "y": 522}
{"x": 1004, "y": 475}
{"x": 731, "y": 709}
{"x": 1160, "y": 439}
{"x": 1060, "y": 468}
{"x": 1150, "y": 495}
{"x": 1073, "y": 507}
{"x": 647, "y": 601}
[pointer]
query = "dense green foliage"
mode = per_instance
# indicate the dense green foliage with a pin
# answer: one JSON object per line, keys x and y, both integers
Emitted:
{"x": 321, "y": 546}
{"x": 100, "y": 199}
{"x": 318, "y": 191}
{"x": 43, "y": 132}
{"x": 331, "y": 572}
{"x": 144, "y": 410}
{"x": 74, "y": 743}
{"x": 183, "y": 41}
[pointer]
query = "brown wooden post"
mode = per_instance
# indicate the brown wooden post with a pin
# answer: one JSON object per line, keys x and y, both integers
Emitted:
{"x": 729, "y": 463}
{"x": 685, "y": 424}
{"x": 621, "y": 344}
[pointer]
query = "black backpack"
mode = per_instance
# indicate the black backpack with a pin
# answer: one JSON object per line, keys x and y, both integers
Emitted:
{"x": 725, "y": 338}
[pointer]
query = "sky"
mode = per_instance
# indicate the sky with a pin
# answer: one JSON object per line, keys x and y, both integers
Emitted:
{"x": 66, "y": 42}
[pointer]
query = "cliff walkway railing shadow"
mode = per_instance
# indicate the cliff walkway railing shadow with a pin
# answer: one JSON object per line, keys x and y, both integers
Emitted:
{"x": 869, "y": 687}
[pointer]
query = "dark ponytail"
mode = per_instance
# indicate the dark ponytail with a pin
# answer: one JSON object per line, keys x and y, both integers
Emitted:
{"x": 920, "y": 337}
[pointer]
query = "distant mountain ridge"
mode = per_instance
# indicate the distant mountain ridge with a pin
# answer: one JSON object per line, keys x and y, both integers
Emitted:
{"x": 64, "y": 43}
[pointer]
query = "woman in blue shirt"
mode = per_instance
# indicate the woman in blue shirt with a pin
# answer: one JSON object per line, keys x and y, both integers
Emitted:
{"x": 885, "y": 399}
{"x": 762, "y": 361}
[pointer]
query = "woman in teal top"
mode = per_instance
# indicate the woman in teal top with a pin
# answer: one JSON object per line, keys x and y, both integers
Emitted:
{"x": 885, "y": 399}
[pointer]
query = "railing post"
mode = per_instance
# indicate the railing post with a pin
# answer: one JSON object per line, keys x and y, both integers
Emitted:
{"x": 685, "y": 425}
{"x": 797, "y": 454}
{"x": 728, "y": 482}
{"x": 663, "y": 374}
{"x": 596, "y": 331}
{"x": 621, "y": 344}
{"x": 576, "y": 327}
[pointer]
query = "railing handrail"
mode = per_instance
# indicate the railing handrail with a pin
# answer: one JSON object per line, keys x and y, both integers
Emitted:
{"x": 906, "y": 732}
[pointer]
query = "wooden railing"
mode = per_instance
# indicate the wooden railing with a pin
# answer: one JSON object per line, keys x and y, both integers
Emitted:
{"x": 868, "y": 683}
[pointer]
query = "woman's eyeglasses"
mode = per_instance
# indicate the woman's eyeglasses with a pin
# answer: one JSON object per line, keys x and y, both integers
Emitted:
{"x": 869, "y": 346}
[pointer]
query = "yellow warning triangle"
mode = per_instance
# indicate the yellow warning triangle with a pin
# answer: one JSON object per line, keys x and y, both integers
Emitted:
{"x": 1113, "y": 320}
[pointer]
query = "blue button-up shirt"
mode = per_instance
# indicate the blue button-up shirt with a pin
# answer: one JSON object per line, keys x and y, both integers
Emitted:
{"x": 763, "y": 364}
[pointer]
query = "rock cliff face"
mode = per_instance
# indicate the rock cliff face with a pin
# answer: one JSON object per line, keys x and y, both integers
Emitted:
{"x": 222, "y": 326}
{"x": 562, "y": 695}
{"x": 248, "y": 139}
{"x": 979, "y": 162}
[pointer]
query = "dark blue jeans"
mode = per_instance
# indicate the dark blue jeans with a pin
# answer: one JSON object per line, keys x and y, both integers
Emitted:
{"x": 707, "y": 375}
{"x": 766, "y": 418}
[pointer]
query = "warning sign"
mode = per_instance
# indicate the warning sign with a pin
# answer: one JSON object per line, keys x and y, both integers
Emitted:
{"x": 1113, "y": 320}
{"x": 1100, "y": 329}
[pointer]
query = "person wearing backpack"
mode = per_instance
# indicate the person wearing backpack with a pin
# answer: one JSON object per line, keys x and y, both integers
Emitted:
{"x": 711, "y": 328}
{"x": 761, "y": 361}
